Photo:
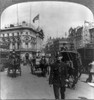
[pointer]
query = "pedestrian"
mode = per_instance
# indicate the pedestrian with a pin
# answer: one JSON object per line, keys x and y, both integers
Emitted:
{"x": 43, "y": 66}
{"x": 58, "y": 76}
{"x": 31, "y": 65}
{"x": 91, "y": 71}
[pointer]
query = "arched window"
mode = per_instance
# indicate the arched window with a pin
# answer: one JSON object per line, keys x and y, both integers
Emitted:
{"x": 3, "y": 35}
{"x": 26, "y": 43}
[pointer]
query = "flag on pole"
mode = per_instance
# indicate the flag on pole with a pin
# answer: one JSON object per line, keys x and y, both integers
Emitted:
{"x": 36, "y": 18}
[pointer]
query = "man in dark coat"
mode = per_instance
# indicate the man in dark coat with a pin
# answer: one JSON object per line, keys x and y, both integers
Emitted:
{"x": 43, "y": 66}
{"x": 58, "y": 75}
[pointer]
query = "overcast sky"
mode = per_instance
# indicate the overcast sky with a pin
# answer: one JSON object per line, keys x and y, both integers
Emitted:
{"x": 55, "y": 17}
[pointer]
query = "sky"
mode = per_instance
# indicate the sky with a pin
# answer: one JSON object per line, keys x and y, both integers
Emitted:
{"x": 55, "y": 18}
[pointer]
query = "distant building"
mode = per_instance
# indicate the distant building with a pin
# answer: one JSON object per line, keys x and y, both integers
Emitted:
{"x": 22, "y": 38}
{"x": 75, "y": 37}
{"x": 80, "y": 36}
{"x": 86, "y": 35}
{"x": 56, "y": 45}
{"x": 59, "y": 44}
{"x": 91, "y": 35}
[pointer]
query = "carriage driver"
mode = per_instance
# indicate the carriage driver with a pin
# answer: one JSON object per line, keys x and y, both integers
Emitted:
{"x": 58, "y": 75}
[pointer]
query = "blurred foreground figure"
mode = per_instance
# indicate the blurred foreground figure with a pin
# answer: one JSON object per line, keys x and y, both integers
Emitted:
{"x": 58, "y": 75}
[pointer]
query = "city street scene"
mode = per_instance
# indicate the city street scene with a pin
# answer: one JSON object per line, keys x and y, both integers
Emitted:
{"x": 46, "y": 50}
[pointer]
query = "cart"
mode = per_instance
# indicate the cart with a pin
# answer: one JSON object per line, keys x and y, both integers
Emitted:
{"x": 35, "y": 65}
{"x": 14, "y": 65}
{"x": 38, "y": 66}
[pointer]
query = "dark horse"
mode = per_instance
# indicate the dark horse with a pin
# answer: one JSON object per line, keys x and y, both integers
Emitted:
{"x": 43, "y": 66}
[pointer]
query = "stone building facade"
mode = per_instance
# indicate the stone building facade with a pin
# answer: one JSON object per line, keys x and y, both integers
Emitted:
{"x": 80, "y": 36}
{"x": 91, "y": 35}
{"x": 23, "y": 39}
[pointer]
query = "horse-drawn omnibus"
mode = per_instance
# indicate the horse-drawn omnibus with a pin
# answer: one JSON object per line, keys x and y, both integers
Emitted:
{"x": 73, "y": 59}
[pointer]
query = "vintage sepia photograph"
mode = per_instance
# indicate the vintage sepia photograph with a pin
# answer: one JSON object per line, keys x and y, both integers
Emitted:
{"x": 46, "y": 49}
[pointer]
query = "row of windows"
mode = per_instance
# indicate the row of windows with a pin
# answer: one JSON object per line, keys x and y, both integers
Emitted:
{"x": 9, "y": 34}
{"x": 13, "y": 34}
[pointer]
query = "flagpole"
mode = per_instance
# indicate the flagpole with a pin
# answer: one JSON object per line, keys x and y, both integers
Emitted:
{"x": 30, "y": 14}
{"x": 39, "y": 22}
{"x": 17, "y": 16}
{"x": 57, "y": 33}
{"x": 57, "y": 30}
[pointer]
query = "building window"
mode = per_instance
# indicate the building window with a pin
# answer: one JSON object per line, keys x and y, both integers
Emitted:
{"x": 13, "y": 44}
{"x": 26, "y": 33}
{"x": 18, "y": 33}
{"x": 21, "y": 32}
{"x": 3, "y": 35}
{"x": 26, "y": 43}
{"x": 15, "y": 34}
{"x": 8, "y": 34}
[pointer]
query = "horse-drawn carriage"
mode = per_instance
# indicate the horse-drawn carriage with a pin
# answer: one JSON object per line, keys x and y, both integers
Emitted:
{"x": 14, "y": 64}
{"x": 73, "y": 59}
{"x": 39, "y": 65}
{"x": 3, "y": 60}
{"x": 35, "y": 65}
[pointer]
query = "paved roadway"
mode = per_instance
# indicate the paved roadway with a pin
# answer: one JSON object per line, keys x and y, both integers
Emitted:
{"x": 29, "y": 86}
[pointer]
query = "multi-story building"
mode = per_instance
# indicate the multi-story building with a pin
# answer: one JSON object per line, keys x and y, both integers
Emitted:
{"x": 79, "y": 36}
{"x": 86, "y": 35}
{"x": 75, "y": 37}
{"x": 91, "y": 35}
{"x": 22, "y": 38}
